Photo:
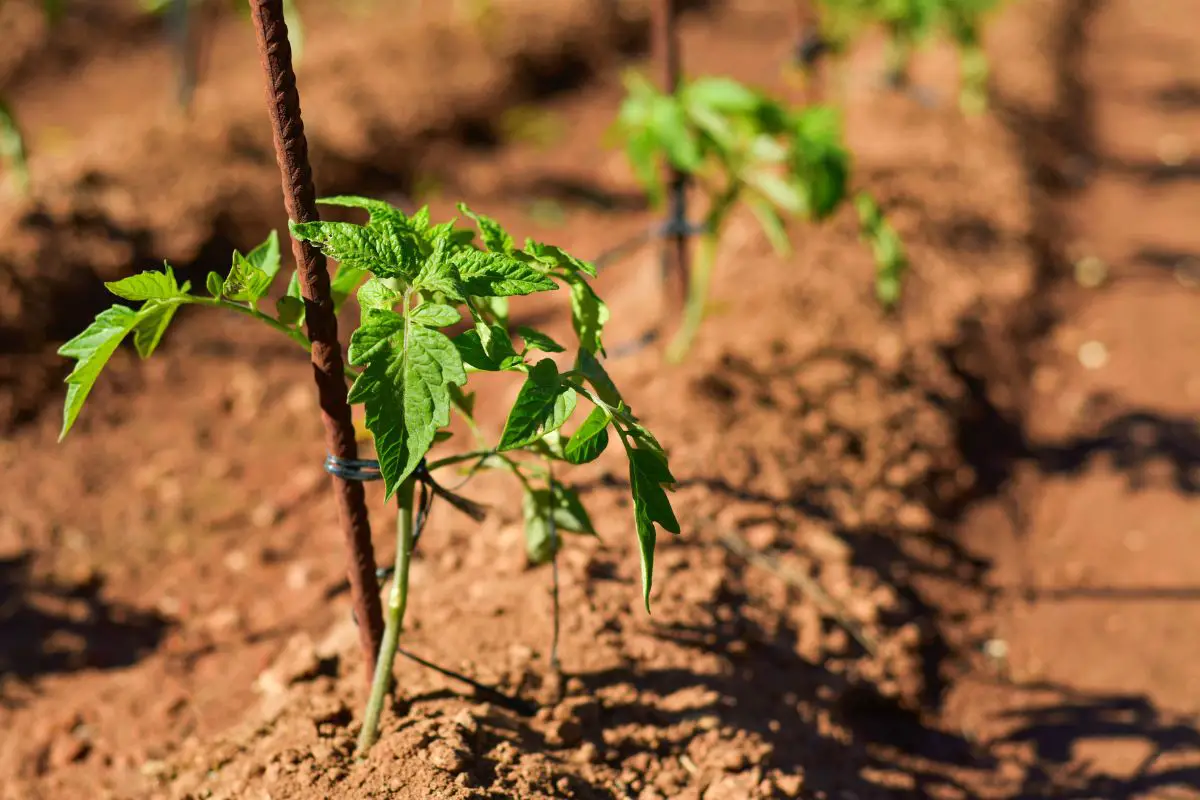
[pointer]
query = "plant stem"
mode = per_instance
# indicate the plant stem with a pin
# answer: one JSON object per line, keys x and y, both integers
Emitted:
{"x": 299, "y": 199}
{"x": 693, "y": 314}
{"x": 393, "y": 621}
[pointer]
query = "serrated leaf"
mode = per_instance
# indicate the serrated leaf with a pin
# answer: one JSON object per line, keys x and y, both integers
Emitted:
{"x": 289, "y": 310}
{"x": 265, "y": 257}
{"x": 553, "y": 257}
{"x": 149, "y": 285}
{"x": 153, "y": 319}
{"x": 493, "y": 234}
{"x": 543, "y": 405}
{"x": 377, "y": 210}
{"x": 374, "y": 293}
{"x": 377, "y": 329}
{"x": 536, "y": 340}
{"x": 245, "y": 282}
{"x": 589, "y": 314}
{"x": 215, "y": 284}
{"x": 487, "y": 274}
{"x": 496, "y": 355}
{"x": 589, "y": 441}
{"x": 435, "y": 315}
{"x": 598, "y": 377}
{"x": 406, "y": 392}
{"x": 91, "y": 349}
{"x": 438, "y": 276}
{"x": 386, "y": 248}
{"x": 648, "y": 473}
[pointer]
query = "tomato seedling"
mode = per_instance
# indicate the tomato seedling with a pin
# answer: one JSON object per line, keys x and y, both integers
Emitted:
{"x": 910, "y": 24}
{"x": 740, "y": 146}
{"x": 414, "y": 279}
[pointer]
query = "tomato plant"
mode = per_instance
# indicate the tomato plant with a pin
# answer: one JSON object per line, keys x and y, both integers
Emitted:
{"x": 414, "y": 280}
{"x": 741, "y": 147}
{"x": 910, "y": 24}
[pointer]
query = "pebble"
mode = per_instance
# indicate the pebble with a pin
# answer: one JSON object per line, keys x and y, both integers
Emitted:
{"x": 1093, "y": 354}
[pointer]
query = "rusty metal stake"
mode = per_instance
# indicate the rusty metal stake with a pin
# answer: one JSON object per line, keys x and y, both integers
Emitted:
{"x": 299, "y": 198}
{"x": 675, "y": 244}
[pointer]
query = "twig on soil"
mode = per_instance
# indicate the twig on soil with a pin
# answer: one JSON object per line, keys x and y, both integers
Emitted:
{"x": 738, "y": 545}
{"x": 299, "y": 195}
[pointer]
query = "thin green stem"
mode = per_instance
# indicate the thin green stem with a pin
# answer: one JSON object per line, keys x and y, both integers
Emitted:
{"x": 295, "y": 334}
{"x": 693, "y": 315}
{"x": 393, "y": 620}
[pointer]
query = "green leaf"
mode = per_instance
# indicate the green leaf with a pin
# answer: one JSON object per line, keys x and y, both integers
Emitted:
{"x": 377, "y": 210}
{"x": 598, "y": 377}
{"x": 536, "y": 340}
{"x": 589, "y": 441}
{"x": 245, "y": 282}
{"x": 891, "y": 262}
{"x": 293, "y": 289}
{"x": 153, "y": 319}
{"x": 215, "y": 284}
{"x": 149, "y": 285}
{"x": 438, "y": 276}
{"x": 648, "y": 473}
{"x": 487, "y": 274}
{"x": 91, "y": 349}
{"x": 588, "y": 315}
{"x": 554, "y": 257}
{"x": 265, "y": 257}
{"x": 493, "y": 234}
{"x": 385, "y": 247}
{"x": 289, "y": 310}
{"x": 496, "y": 354}
{"x": 784, "y": 194}
{"x": 435, "y": 315}
{"x": 543, "y": 405}
{"x": 377, "y": 329}
{"x": 406, "y": 393}
{"x": 12, "y": 147}
{"x": 771, "y": 223}
{"x": 723, "y": 95}
{"x": 374, "y": 293}
{"x": 819, "y": 160}
{"x": 669, "y": 124}
{"x": 559, "y": 504}
{"x": 344, "y": 282}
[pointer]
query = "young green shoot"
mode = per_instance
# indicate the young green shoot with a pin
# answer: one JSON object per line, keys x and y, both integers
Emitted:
{"x": 740, "y": 148}
{"x": 434, "y": 311}
{"x": 911, "y": 24}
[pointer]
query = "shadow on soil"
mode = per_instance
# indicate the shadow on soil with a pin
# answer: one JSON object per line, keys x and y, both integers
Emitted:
{"x": 758, "y": 693}
{"x": 48, "y": 627}
{"x": 1056, "y": 729}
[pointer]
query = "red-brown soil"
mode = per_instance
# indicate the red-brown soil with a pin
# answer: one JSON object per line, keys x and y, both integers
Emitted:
{"x": 1009, "y": 527}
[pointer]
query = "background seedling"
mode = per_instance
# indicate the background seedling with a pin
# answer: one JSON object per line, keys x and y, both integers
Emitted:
{"x": 741, "y": 147}
{"x": 910, "y": 24}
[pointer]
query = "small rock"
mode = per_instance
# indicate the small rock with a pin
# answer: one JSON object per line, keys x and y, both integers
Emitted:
{"x": 1093, "y": 355}
{"x": 443, "y": 756}
{"x": 1090, "y": 272}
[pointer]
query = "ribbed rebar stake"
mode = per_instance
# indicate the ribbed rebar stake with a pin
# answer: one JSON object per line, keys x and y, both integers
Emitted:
{"x": 299, "y": 198}
{"x": 675, "y": 244}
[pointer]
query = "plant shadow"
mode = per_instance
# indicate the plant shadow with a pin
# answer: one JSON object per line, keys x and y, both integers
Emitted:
{"x": 48, "y": 626}
{"x": 1057, "y": 728}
